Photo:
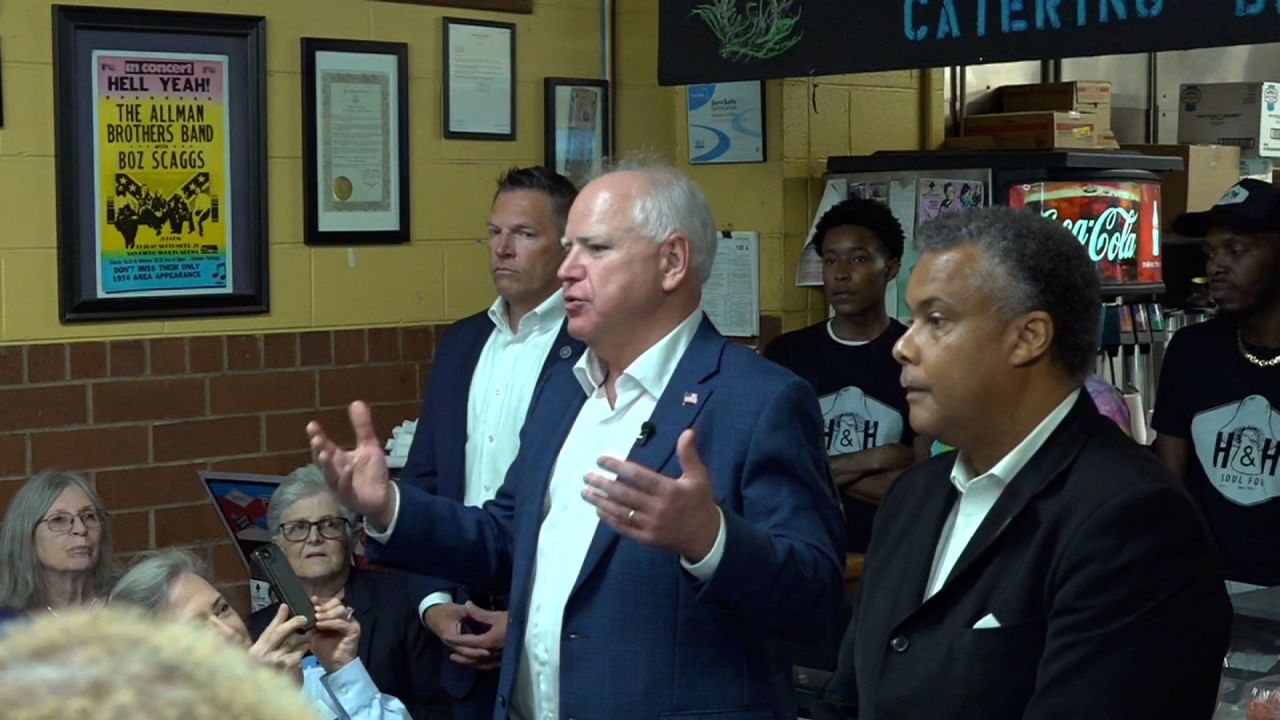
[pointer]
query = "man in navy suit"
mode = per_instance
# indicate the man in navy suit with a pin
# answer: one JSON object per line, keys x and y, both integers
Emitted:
{"x": 669, "y": 584}
{"x": 489, "y": 364}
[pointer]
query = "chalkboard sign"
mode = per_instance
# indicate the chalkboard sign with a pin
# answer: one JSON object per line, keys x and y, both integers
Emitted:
{"x": 704, "y": 41}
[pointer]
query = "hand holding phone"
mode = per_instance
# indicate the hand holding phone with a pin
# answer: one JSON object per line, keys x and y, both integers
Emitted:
{"x": 271, "y": 563}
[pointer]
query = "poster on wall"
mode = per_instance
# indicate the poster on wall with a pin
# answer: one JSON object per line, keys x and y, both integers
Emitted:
{"x": 161, "y": 186}
{"x": 726, "y": 123}
{"x": 161, "y": 163}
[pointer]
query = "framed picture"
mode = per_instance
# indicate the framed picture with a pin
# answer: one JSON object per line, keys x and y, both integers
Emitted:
{"x": 355, "y": 162}
{"x": 577, "y": 126}
{"x": 726, "y": 122}
{"x": 161, "y": 163}
{"x": 479, "y": 80}
{"x": 517, "y": 6}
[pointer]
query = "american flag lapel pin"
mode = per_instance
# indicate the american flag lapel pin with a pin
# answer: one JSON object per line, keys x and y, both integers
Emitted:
{"x": 690, "y": 398}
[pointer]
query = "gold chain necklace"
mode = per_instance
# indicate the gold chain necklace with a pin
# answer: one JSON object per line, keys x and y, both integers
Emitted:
{"x": 1254, "y": 358}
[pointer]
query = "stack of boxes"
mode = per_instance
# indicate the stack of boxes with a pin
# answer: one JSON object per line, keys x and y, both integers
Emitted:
{"x": 1072, "y": 115}
{"x": 1245, "y": 114}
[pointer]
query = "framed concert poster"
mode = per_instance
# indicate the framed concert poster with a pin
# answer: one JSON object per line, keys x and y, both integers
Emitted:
{"x": 161, "y": 163}
{"x": 576, "y": 115}
{"x": 355, "y": 164}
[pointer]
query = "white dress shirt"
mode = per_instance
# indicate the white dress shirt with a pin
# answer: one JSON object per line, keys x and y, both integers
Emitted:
{"x": 979, "y": 494}
{"x": 501, "y": 389}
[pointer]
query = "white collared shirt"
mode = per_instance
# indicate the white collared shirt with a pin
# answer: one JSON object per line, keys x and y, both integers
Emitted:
{"x": 502, "y": 385}
{"x": 979, "y": 494}
{"x": 570, "y": 521}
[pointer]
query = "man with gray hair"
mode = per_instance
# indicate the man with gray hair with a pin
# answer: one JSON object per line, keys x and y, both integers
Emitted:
{"x": 1050, "y": 568}
{"x": 669, "y": 583}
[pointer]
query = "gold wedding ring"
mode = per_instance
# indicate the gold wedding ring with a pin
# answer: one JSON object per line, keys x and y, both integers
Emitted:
{"x": 631, "y": 516}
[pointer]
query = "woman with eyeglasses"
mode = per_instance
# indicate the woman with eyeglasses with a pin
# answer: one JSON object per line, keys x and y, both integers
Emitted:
{"x": 317, "y": 535}
{"x": 55, "y": 548}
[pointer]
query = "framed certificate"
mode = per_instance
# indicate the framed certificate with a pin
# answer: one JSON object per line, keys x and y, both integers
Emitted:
{"x": 479, "y": 80}
{"x": 577, "y": 126}
{"x": 161, "y": 163}
{"x": 355, "y": 100}
{"x": 726, "y": 123}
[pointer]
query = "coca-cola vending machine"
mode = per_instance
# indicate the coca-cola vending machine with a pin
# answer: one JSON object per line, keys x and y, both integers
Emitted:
{"x": 1109, "y": 200}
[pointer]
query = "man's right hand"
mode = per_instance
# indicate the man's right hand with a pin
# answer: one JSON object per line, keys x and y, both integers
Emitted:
{"x": 481, "y": 651}
{"x": 359, "y": 475}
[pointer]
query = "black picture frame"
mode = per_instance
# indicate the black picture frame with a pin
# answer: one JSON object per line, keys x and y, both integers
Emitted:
{"x": 558, "y": 134}
{"x": 449, "y": 23}
{"x": 1, "y": 92}
{"x": 236, "y": 44}
{"x": 313, "y": 233}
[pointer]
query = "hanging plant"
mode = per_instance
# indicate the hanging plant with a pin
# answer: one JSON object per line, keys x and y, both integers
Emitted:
{"x": 762, "y": 30}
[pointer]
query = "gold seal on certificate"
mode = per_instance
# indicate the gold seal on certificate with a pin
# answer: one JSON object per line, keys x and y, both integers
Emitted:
{"x": 342, "y": 188}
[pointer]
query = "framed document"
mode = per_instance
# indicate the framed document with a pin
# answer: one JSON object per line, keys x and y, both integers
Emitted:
{"x": 479, "y": 80}
{"x": 577, "y": 126}
{"x": 355, "y": 109}
{"x": 515, "y": 6}
{"x": 726, "y": 123}
{"x": 161, "y": 163}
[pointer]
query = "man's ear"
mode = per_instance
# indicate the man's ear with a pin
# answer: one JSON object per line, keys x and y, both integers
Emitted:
{"x": 891, "y": 268}
{"x": 675, "y": 257}
{"x": 1032, "y": 338}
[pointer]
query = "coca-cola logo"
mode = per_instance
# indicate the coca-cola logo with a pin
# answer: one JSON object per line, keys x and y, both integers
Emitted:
{"x": 1112, "y": 236}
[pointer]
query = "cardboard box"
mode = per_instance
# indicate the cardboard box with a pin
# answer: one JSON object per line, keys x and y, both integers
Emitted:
{"x": 1034, "y": 130}
{"x": 1257, "y": 168}
{"x": 1245, "y": 114}
{"x": 1075, "y": 95}
{"x": 1209, "y": 170}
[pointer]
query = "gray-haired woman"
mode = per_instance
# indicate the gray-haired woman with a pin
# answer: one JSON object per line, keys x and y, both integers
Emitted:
{"x": 317, "y": 535}
{"x": 55, "y": 547}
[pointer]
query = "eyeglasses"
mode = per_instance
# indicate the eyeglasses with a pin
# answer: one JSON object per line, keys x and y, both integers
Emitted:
{"x": 62, "y": 523}
{"x": 331, "y": 528}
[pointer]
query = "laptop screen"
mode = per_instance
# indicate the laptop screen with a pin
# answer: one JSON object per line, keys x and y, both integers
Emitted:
{"x": 242, "y": 501}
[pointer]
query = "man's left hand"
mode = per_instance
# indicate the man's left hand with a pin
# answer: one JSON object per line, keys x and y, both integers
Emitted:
{"x": 677, "y": 514}
{"x": 335, "y": 641}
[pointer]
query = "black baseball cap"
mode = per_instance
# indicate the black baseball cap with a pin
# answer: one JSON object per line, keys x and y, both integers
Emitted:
{"x": 1249, "y": 206}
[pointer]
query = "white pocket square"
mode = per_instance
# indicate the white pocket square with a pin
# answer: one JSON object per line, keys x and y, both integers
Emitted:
{"x": 988, "y": 622}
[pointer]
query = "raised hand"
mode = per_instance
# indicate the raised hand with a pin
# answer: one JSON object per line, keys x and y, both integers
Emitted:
{"x": 679, "y": 514}
{"x": 359, "y": 475}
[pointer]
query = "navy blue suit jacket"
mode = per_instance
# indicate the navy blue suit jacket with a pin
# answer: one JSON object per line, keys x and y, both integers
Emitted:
{"x": 437, "y": 461}
{"x": 644, "y": 639}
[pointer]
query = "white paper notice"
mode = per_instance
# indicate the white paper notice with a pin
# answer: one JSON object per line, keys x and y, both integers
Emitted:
{"x": 731, "y": 296}
{"x": 479, "y": 79}
{"x": 809, "y": 269}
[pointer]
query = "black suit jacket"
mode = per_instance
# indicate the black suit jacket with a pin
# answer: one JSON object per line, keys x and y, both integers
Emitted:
{"x": 394, "y": 646}
{"x": 437, "y": 461}
{"x": 1110, "y": 600}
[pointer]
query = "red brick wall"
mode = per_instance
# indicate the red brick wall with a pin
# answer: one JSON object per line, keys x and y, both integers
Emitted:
{"x": 140, "y": 417}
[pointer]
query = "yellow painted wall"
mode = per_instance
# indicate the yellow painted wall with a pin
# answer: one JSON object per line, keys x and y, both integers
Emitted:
{"x": 441, "y": 275}
{"x": 854, "y": 115}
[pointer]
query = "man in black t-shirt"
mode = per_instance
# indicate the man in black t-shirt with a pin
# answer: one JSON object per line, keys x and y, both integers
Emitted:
{"x": 1217, "y": 410}
{"x": 849, "y": 361}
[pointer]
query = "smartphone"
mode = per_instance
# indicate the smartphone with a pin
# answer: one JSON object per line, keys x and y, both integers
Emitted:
{"x": 270, "y": 562}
